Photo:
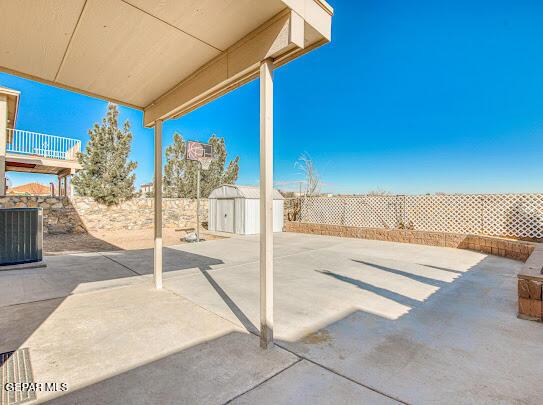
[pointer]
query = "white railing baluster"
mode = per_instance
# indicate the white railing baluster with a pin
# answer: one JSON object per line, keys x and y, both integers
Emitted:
{"x": 49, "y": 146}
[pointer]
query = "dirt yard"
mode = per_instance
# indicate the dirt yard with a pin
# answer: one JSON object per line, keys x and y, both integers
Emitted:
{"x": 112, "y": 240}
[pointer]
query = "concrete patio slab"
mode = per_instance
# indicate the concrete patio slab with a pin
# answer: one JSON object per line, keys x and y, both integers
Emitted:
{"x": 214, "y": 254}
{"x": 63, "y": 275}
{"x": 463, "y": 345}
{"x": 307, "y": 383}
{"x": 176, "y": 260}
{"x": 308, "y": 275}
{"x": 149, "y": 345}
{"x": 212, "y": 372}
{"x": 417, "y": 323}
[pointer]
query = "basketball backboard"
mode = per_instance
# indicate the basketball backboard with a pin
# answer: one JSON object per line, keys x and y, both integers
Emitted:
{"x": 199, "y": 151}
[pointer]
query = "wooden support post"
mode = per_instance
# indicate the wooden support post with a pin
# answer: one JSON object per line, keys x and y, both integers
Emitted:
{"x": 266, "y": 204}
{"x": 69, "y": 188}
{"x": 158, "y": 205}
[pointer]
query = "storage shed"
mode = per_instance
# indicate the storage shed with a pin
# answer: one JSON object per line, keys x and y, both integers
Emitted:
{"x": 236, "y": 209}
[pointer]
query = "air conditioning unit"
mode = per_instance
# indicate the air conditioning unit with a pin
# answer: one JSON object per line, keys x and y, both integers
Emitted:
{"x": 21, "y": 235}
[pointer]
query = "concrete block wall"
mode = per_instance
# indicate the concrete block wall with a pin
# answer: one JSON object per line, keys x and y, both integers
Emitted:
{"x": 512, "y": 249}
{"x": 518, "y": 250}
{"x": 530, "y": 287}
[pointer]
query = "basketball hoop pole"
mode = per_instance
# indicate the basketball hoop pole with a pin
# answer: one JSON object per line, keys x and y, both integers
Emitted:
{"x": 203, "y": 154}
{"x": 198, "y": 202}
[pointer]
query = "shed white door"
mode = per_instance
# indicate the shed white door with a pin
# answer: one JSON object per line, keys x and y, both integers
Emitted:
{"x": 225, "y": 215}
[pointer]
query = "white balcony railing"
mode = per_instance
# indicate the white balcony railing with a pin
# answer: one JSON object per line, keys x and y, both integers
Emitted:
{"x": 49, "y": 146}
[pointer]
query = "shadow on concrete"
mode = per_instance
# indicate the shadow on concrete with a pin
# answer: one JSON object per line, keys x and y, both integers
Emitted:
{"x": 465, "y": 327}
{"x": 416, "y": 277}
{"x": 441, "y": 268}
{"x": 245, "y": 321}
{"x": 391, "y": 295}
{"x": 213, "y": 372}
{"x": 141, "y": 261}
{"x": 436, "y": 350}
{"x": 45, "y": 289}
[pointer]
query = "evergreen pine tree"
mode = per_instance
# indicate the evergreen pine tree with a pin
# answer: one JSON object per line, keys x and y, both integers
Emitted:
{"x": 180, "y": 174}
{"x": 107, "y": 175}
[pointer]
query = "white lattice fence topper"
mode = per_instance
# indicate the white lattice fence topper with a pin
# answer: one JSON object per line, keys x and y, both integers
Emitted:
{"x": 519, "y": 215}
{"x": 513, "y": 215}
{"x": 364, "y": 211}
{"x": 459, "y": 213}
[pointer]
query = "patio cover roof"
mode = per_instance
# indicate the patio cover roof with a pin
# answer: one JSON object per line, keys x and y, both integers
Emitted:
{"x": 164, "y": 57}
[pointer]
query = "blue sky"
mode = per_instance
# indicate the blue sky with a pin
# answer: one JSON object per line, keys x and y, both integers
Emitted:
{"x": 410, "y": 97}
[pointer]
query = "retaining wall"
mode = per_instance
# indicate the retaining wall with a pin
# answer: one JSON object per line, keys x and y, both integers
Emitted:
{"x": 82, "y": 214}
{"x": 518, "y": 250}
{"x": 530, "y": 287}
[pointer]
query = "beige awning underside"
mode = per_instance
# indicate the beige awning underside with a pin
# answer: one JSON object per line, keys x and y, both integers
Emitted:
{"x": 165, "y": 57}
